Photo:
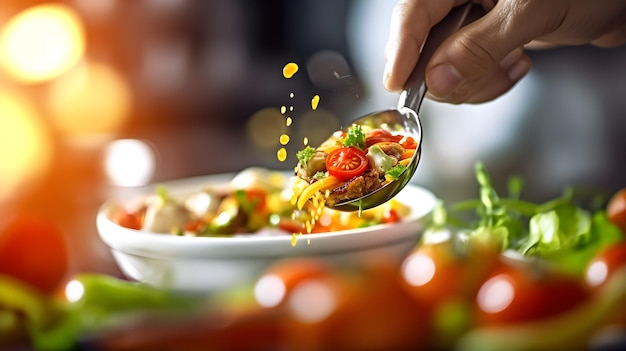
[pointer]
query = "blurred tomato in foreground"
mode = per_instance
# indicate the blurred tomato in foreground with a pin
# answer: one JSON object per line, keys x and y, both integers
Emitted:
{"x": 439, "y": 272}
{"x": 524, "y": 291}
{"x": 33, "y": 250}
{"x": 616, "y": 209}
{"x": 300, "y": 304}
{"x": 344, "y": 307}
{"x": 607, "y": 265}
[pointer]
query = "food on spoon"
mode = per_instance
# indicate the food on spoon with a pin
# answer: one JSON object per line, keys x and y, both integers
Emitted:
{"x": 351, "y": 164}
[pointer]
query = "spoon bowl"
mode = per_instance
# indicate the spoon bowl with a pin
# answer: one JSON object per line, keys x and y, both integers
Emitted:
{"x": 405, "y": 118}
{"x": 405, "y": 121}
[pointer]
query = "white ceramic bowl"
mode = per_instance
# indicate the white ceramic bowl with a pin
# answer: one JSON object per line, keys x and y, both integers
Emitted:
{"x": 207, "y": 264}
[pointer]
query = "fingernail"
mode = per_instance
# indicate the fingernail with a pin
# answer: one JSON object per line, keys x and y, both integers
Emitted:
{"x": 443, "y": 79}
{"x": 518, "y": 70}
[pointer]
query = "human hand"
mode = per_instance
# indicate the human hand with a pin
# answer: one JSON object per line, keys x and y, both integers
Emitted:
{"x": 486, "y": 58}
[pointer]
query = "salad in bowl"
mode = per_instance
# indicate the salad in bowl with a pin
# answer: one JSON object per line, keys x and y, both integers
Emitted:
{"x": 212, "y": 232}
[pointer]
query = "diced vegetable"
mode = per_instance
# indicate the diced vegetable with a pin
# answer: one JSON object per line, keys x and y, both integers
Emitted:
{"x": 379, "y": 159}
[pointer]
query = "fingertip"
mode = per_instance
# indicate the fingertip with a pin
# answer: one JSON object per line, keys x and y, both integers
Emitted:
{"x": 518, "y": 70}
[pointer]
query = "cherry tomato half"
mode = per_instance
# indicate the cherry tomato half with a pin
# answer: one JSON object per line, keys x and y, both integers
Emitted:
{"x": 616, "y": 209}
{"x": 33, "y": 250}
{"x": 346, "y": 163}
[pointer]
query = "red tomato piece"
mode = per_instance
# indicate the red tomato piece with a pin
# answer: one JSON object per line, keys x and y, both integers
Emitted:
{"x": 196, "y": 226}
{"x": 131, "y": 220}
{"x": 33, "y": 250}
{"x": 616, "y": 209}
{"x": 408, "y": 142}
{"x": 608, "y": 261}
{"x": 438, "y": 273}
{"x": 346, "y": 163}
{"x": 320, "y": 301}
{"x": 524, "y": 292}
{"x": 391, "y": 216}
{"x": 380, "y": 135}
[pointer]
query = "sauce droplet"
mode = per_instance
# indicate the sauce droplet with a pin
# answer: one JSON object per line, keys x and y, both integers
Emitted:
{"x": 288, "y": 121}
{"x": 281, "y": 154}
{"x": 315, "y": 101}
{"x": 284, "y": 139}
{"x": 283, "y": 109}
{"x": 292, "y": 95}
{"x": 305, "y": 141}
{"x": 290, "y": 69}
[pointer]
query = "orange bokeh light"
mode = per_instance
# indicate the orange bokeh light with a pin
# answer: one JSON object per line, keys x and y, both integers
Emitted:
{"x": 41, "y": 43}
{"x": 26, "y": 147}
{"x": 91, "y": 100}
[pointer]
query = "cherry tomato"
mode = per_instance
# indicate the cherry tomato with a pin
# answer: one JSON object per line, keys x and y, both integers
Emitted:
{"x": 604, "y": 265}
{"x": 523, "y": 291}
{"x": 616, "y": 209}
{"x": 380, "y": 135}
{"x": 388, "y": 317}
{"x": 34, "y": 250}
{"x": 437, "y": 273}
{"x": 346, "y": 163}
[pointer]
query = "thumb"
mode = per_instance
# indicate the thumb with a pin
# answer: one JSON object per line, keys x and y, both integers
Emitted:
{"x": 484, "y": 59}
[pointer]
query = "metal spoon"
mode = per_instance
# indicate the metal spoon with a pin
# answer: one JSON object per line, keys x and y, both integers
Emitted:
{"x": 405, "y": 119}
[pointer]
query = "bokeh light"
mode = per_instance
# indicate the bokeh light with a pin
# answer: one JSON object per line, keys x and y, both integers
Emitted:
{"x": 265, "y": 127}
{"x": 41, "y": 43}
{"x": 129, "y": 162}
{"x": 74, "y": 291}
{"x": 26, "y": 148}
{"x": 269, "y": 291}
{"x": 312, "y": 301}
{"x": 317, "y": 125}
{"x": 93, "y": 99}
{"x": 418, "y": 269}
{"x": 495, "y": 295}
{"x": 597, "y": 273}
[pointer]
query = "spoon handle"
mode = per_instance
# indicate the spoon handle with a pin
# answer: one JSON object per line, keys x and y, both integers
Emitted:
{"x": 415, "y": 87}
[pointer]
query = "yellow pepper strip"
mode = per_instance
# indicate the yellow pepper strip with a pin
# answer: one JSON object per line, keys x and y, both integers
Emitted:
{"x": 405, "y": 161}
{"x": 315, "y": 187}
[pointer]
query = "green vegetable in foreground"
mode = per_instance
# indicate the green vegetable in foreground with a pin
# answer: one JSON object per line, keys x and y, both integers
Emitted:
{"x": 95, "y": 302}
{"x": 557, "y": 230}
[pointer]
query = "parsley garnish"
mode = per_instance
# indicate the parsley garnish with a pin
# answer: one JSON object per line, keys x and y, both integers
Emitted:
{"x": 355, "y": 137}
{"x": 320, "y": 175}
{"x": 305, "y": 155}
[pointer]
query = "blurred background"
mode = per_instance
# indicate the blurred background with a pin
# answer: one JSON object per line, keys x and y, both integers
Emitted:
{"x": 100, "y": 98}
